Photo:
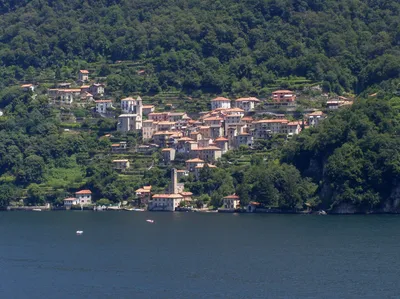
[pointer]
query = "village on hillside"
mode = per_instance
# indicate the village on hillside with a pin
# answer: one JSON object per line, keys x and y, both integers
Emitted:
{"x": 201, "y": 138}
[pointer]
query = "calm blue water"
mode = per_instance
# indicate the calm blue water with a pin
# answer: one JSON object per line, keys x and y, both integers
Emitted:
{"x": 191, "y": 255}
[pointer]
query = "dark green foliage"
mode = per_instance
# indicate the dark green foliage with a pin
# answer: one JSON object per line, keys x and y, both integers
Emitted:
{"x": 232, "y": 46}
{"x": 353, "y": 155}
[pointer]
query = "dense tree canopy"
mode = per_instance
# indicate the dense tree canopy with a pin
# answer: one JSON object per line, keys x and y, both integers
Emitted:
{"x": 353, "y": 155}
{"x": 223, "y": 45}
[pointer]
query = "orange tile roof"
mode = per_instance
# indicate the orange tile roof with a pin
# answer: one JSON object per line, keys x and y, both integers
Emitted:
{"x": 220, "y": 99}
{"x": 168, "y": 149}
{"x": 186, "y": 193}
{"x": 148, "y": 106}
{"x": 84, "y": 71}
{"x": 194, "y": 160}
{"x": 84, "y": 192}
{"x": 221, "y": 139}
{"x": 234, "y": 196}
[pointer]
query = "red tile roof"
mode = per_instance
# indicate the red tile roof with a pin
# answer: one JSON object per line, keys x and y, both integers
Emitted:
{"x": 196, "y": 160}
{"x": 234, "y": 196}
{"x": 84, "y": 192}
{"x": 221, "y": 139}
{"x": 220, "y": 99}
{"x": 84, "y": 71}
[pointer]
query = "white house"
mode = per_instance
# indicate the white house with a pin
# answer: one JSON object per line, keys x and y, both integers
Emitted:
{"x": 220, "y": 102}
{"x": 97, "y": 89}
{"x": 28, "y": 87}
{"x": 84, "y": 197}
{"x": 129, "y": 122}
{"x": 83, "y": 75}
{"x": 103, "y": 105}
{"x": 121, "y": 164}
{"x": 315, "y": 118}
{"x": 132, "y": 106}
{"x": 231, "y": 201}
{"x": 70, "y": 201}
{"x": 165, "y": 202}
{"x": 247, "y": 104}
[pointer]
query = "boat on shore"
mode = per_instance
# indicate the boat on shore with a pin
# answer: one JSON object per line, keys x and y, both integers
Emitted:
{"x": 37, "y": 210}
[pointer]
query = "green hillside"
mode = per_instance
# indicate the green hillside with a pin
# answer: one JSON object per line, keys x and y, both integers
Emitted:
{"x": 230, "y": 46}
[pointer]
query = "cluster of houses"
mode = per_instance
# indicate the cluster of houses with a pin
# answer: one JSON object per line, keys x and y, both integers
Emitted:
{"x": 205, "y": 139}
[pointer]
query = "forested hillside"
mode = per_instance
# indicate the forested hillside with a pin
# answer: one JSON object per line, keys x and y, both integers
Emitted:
{"x": 353, "y": 157}
{"x": 213, "y": 46}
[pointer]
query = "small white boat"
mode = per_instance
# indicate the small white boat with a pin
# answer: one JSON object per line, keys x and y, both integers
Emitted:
{"x": 37, "y": 210}
{"x": 138, "y": 210}
{"x": 79, "y": 232}
{"x": 150, "y": 221}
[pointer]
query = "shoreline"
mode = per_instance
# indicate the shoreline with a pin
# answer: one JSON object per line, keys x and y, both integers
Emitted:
{"x": 220, "y": 211}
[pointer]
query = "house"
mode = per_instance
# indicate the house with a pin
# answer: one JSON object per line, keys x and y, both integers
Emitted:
{"x": 147, "y": 109}
{"x": 283, "y": 96}
{"x": 243, "y": 139}
{"x": 231, "y": 202}
{"x": 161, "y": 116}
{"x": 166, "y": 125}
{"x": 70, "y": 201}
{"x": 333, "y": 105}
{"x": 121, "y": 164}
{"x": 86, "y": 96}
{"x": 247, "y": 104}
{"x": 132, "y": 106}
{"x": 28, "y": 87}
{"x": 233, "y": 120}
{"x": 83, "y": 75}
{"x": 165, "y": 202}
{"x": 176, "y": 116}
{"x": 209, "y": 153}
{"x": 129, "y": 122}
{"x": 293, "y": 128}
{"x": 102, "y": 106}
{"x": 165, "y": 138}
{"x": 262, "y": 129}
{"x": 119, "y": 147}
{"x": 315, "y": 118}
{"x": 192, "y": 163}
{"x": 97, "y": 89}
{"x": 168, "y": 155}
{"x": 64, "y": 96}
{"x": 149, "y": 127}
{"x": 84, "y": 197}
{"x": 220, "y": 102}
{"x": 144, "y": 195}
{"x": 222, "y": 143}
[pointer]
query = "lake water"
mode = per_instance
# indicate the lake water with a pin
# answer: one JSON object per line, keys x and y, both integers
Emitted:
{"x": 196, "y": 255}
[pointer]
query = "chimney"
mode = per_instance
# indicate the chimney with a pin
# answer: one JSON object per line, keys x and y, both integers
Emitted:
{"x": 174, "y": 181}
